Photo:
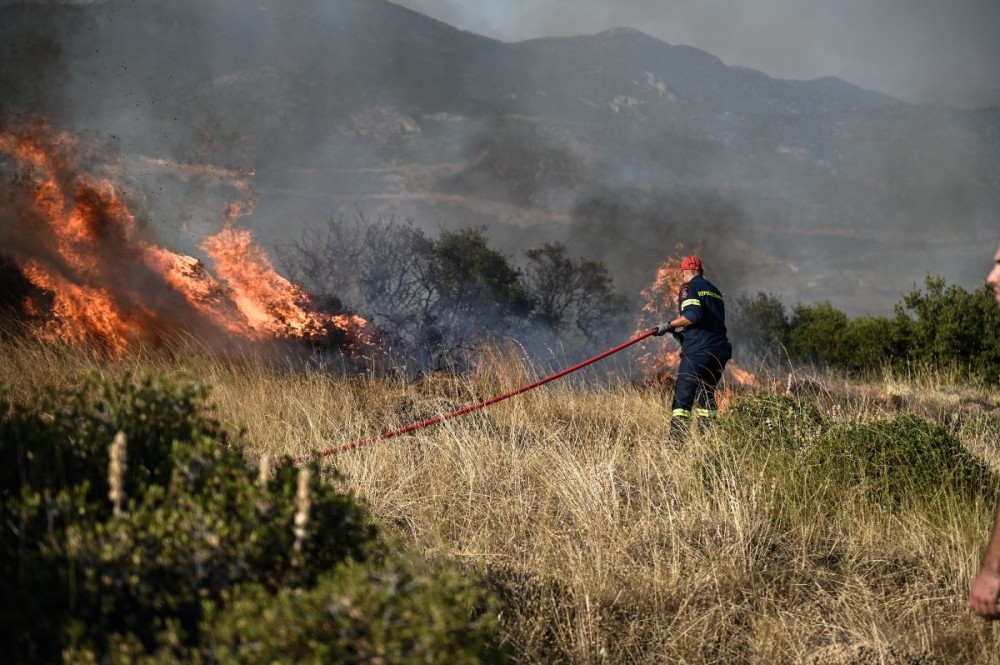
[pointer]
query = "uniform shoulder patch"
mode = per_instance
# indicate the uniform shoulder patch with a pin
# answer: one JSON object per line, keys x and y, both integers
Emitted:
{"x": 685, "y": 290}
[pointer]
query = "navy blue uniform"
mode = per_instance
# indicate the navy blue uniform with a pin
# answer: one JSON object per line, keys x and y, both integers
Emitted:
{"x": 705, "y": 348}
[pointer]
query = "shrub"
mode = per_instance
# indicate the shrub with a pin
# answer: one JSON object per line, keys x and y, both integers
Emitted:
{"x": 942, "y": 327}
{"x": 871, "y": 342}
{"x": 197, "y": 535}
{"x": 951, "y": 328}
{"x": 899, "y": 460}
{"x": 396, "y": 612}
{"x": 771, "y": 421}
{"x": 817, "y": 335}
{"x": 759, "y": 326}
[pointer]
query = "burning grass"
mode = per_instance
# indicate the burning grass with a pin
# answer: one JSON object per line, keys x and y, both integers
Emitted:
{"x": 99, "y": 278}
{"x": 607, "y": 544}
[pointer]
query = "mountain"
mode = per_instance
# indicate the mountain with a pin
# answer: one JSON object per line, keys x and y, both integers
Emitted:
{"x": 617, "y": 143}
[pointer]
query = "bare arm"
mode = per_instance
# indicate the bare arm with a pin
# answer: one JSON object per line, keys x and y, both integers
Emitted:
{"x": 680, "y": 322}
{"x": 985, "y": 587}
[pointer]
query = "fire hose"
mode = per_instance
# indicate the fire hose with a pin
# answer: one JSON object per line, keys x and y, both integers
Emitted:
{"x": 475, "y": 407}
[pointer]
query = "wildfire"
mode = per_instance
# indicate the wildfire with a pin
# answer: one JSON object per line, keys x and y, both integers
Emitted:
{"x": 743, "y": 377}
{"x": 81, "y": 314}
{"x": 99, "y": 280}
{"x": 269, "y": 303}
{"x": 662, "y": 358}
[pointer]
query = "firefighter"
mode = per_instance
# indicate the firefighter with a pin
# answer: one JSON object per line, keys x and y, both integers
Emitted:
{"x": 701, "y": 330}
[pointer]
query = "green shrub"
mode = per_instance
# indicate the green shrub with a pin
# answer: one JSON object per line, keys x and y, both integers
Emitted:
{"x": 817, "y": 335}
{"x": 767, "y": 433}
{"x": 899, "y": 460}
{"x": 196, "y": 533}
{"x": 397, "y": 612}
{"x": 870, "y": 343}
{"x": 759, "y": 326}
{"x": 951, "y": 328}
{"x": 771, "y": 421}
{"x": 939, "y": 327}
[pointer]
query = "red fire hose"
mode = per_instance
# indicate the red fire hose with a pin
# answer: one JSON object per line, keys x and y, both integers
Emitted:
{"x": 473, "y": 407}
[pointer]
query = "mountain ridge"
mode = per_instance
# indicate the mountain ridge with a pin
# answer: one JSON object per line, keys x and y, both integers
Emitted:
{"x": 363, "y": 103}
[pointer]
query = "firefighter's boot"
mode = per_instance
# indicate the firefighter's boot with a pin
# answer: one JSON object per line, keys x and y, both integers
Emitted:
{"x": 706, "y": 418}
{"x": 679, "y": 430}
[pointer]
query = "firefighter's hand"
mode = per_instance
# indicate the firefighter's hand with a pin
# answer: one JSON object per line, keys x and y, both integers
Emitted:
{"x": 663, "y": 329}
{"x": 983, "y": 594}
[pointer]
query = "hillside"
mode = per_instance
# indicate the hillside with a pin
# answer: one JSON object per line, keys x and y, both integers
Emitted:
{"x": 618, "y": 143}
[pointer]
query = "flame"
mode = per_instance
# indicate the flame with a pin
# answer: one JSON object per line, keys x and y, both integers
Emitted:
{"x": 661, "y": 361}
{"x": 270, "y": 304}
{"x": 663, "y": 356}
{"x": 741, "y": 376}
{"x": 100, "y": 282}
{"x": 241, "y": 207}
{"x": 81, "y": 314}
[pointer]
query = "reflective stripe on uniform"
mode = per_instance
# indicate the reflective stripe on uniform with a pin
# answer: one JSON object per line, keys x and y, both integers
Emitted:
{"x": 706, "y": 413}
{"x": 710, "y": 294}
{"x": 690, "y": 302}
{"x": 681, "y": 413}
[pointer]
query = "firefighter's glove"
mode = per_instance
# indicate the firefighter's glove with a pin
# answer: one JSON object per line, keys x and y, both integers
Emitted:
{"x": 663, "y": 329}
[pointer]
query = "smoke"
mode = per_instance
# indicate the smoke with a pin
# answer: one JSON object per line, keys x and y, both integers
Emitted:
{"x": 314, "y": 107}
{"x": 903, "y": 195}
{"x": 917, "y": 50}
{"x": 96, "y": 277}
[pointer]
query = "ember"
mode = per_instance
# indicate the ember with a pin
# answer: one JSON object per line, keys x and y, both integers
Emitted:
{"x": 102, "y": 282}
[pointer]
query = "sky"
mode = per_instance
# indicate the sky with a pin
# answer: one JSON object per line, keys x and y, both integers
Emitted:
{"x": 923, "y": 51}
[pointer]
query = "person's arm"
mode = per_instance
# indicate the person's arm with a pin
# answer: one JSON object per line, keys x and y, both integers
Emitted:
{"x": 689, "y": 307}
{"x": 985, "y": 587}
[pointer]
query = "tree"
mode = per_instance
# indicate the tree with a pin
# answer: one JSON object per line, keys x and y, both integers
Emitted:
{"x": 570, "y": 294}
{"x": 432, "y": 296}
{"x": 951, "y": 328}
{"x": 438, "y": 297}
{"x": 759, "y": 326}
{"x": 473, "y": 290}
{"x": 359, "y": 260}
{"x": 817, "y": 334}
{"x": 376, "y": 266}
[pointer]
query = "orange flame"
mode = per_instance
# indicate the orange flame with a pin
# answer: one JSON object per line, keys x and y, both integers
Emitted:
{"x": 741, "y": 376}
{"x": 661, "y": 361}
{"x": 77, "y": 242}
{"x": 81, "y": 314}
{"x": 270, "y": 304}
{"x": 663, "y": 356}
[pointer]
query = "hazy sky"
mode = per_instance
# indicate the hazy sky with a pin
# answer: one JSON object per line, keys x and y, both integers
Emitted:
{"x": 917, "y": 50}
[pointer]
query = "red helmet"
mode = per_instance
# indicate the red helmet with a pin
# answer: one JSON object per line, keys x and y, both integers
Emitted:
{"x": 691, "y": 263}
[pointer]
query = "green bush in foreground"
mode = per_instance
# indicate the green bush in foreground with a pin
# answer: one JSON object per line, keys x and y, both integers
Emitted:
{"x": 906, "y": 458}
{"x": 398, "y": 612}
{"x": 197, "y": 559}
{"x": 767, "y": 421}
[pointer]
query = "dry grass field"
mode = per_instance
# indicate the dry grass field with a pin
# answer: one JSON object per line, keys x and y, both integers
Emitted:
{"x": 606, "y": 544}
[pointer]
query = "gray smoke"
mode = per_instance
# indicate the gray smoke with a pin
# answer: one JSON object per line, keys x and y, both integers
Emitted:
{"x": 326, "y": 106}
{"x": 917, "y": 50}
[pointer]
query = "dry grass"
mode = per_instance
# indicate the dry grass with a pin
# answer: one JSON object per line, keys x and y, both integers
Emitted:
{"x": 608, "y": 545}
